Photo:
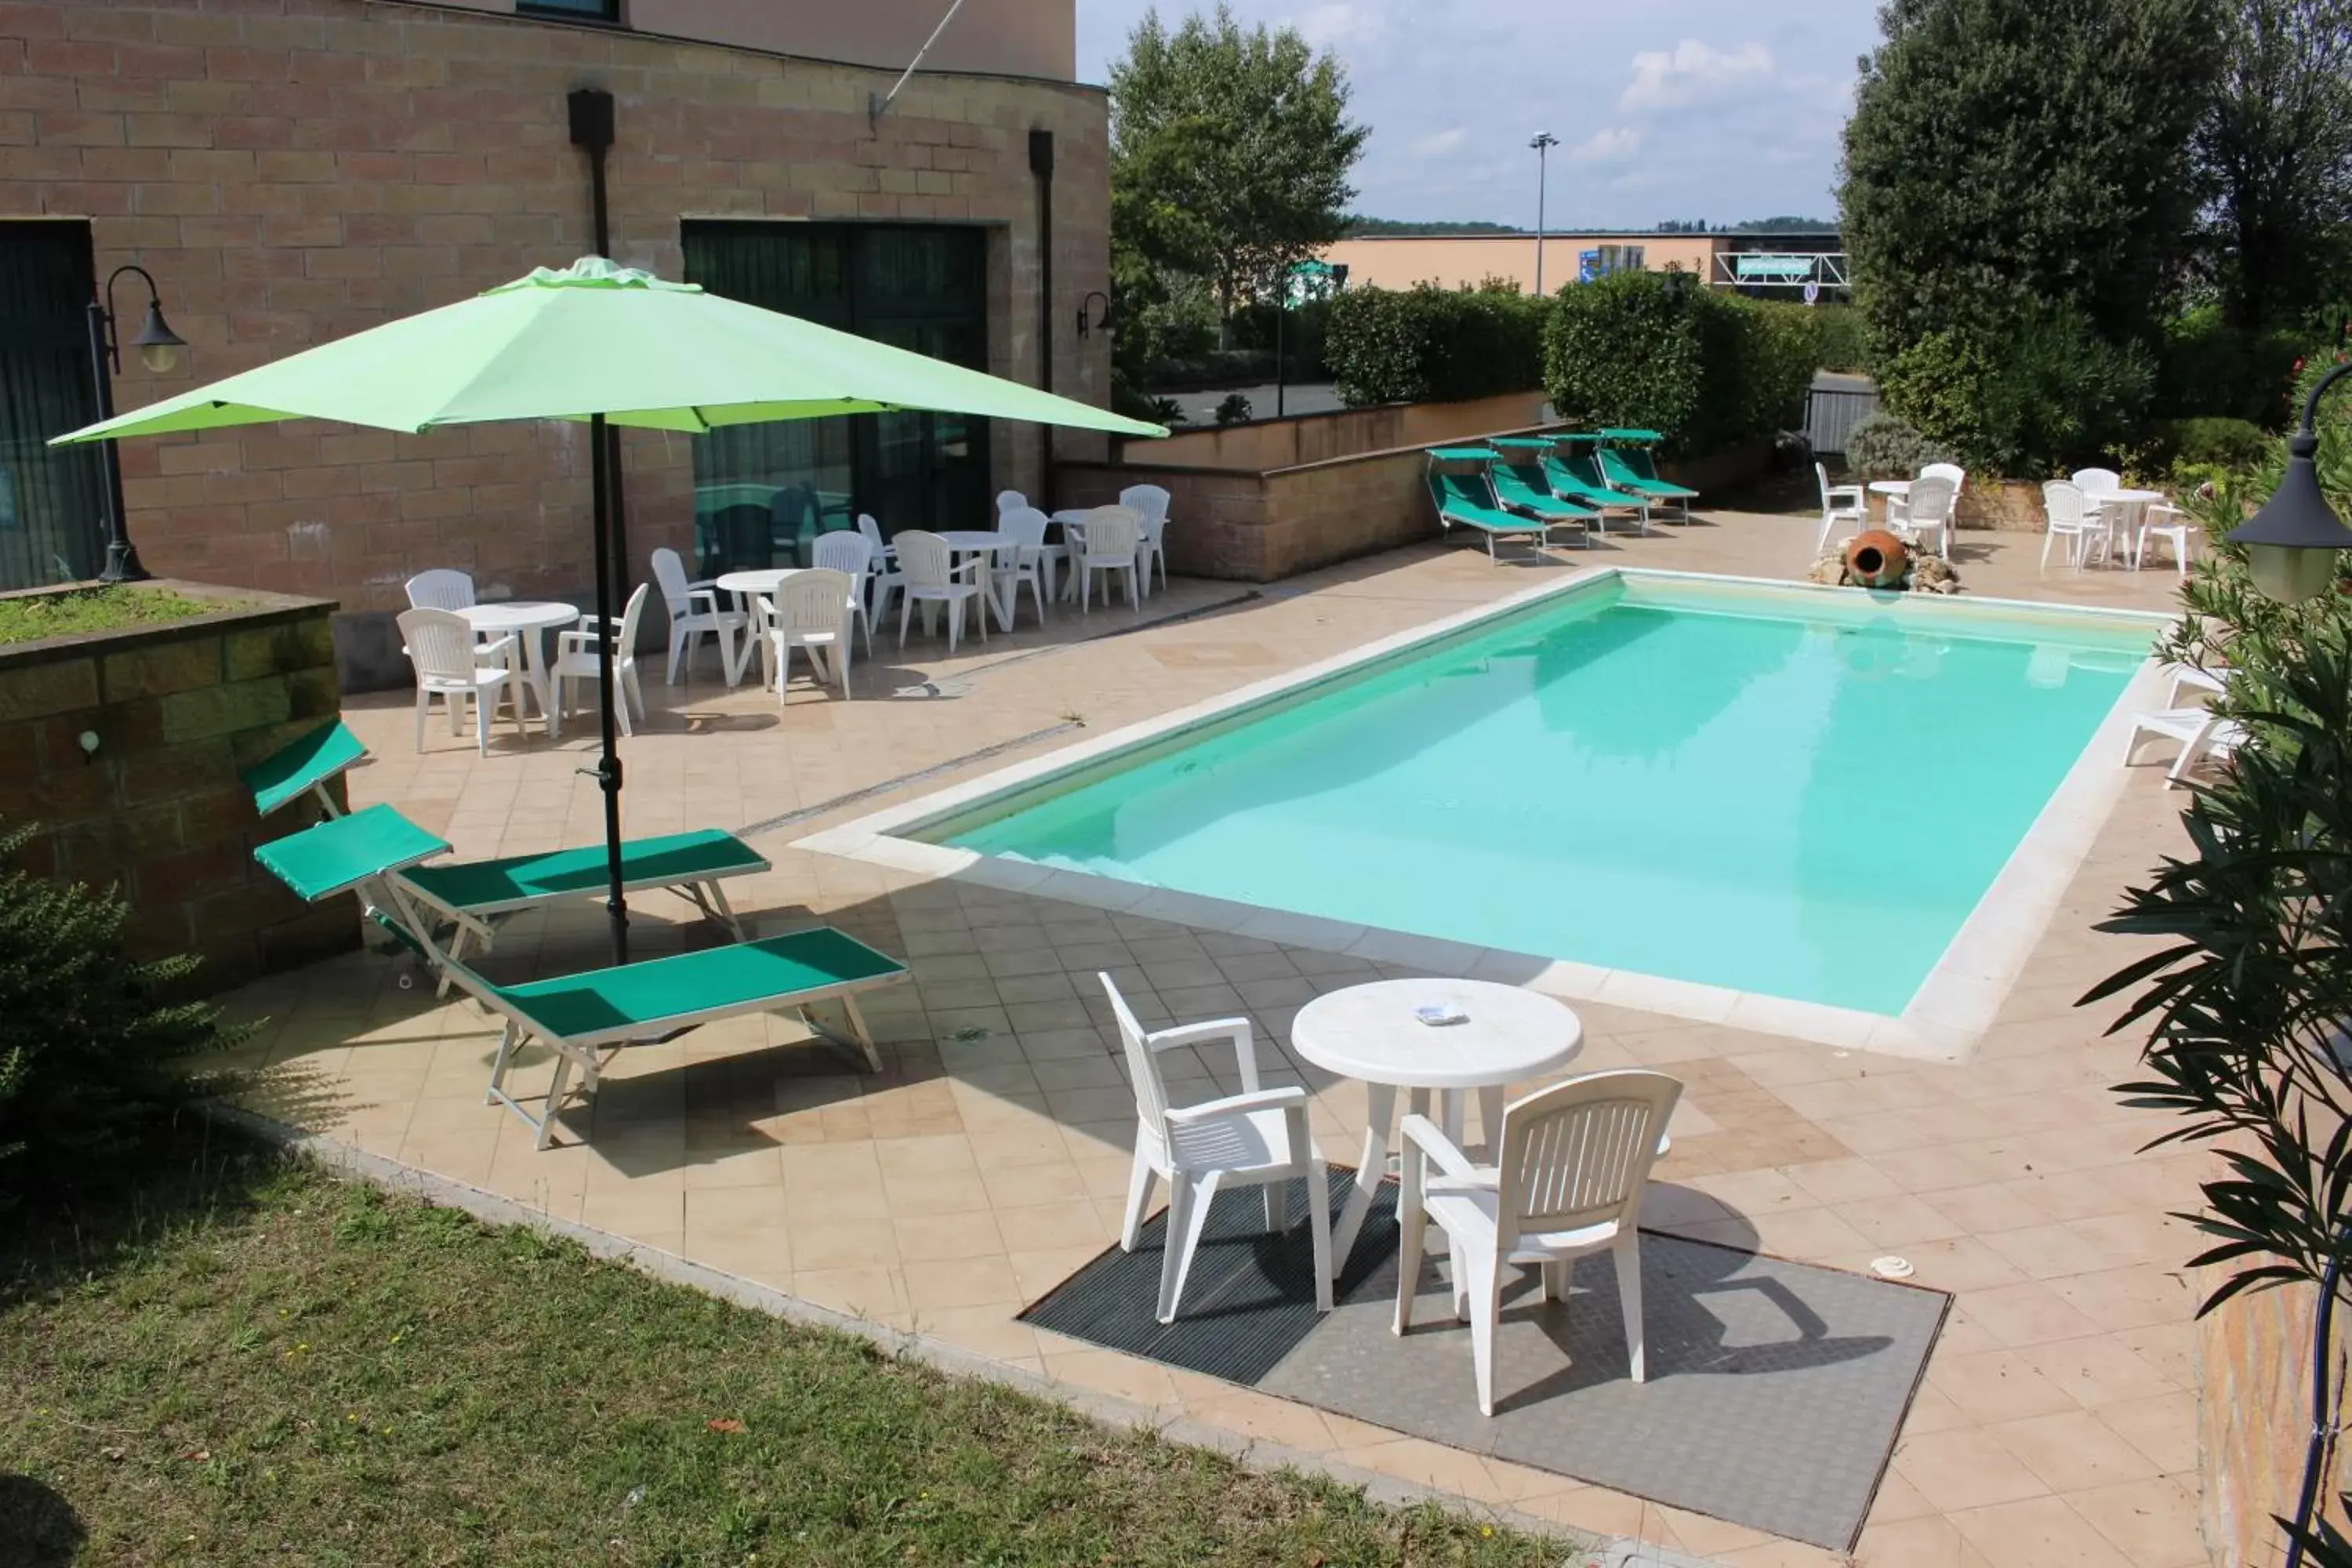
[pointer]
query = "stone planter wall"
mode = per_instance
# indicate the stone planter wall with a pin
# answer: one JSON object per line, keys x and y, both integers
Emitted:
{"x": 2013, "y": 506}
{"x": 1262, "y": 525}
{"x": 2253, "y": 1421}
{"x": 178, "y": 711}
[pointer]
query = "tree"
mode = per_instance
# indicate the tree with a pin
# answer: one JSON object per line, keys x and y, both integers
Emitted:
{"x": 2002, "y": 154}
{"x": 2276, "y": 150}
{"x": 1230, "y": 152}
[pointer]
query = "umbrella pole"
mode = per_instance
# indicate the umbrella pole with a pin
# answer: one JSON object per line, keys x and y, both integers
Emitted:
{"x": 608, "y": 766}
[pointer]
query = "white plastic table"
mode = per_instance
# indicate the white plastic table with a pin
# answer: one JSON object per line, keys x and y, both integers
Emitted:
{"x": 528, "y": 619}
{"x": 1370, "y": 1033}
{"x": 970, "y": 542}
{"x": 1889, "y": 491}
{"x": 2120, "y": 510}
{"x": 762, "y": 581}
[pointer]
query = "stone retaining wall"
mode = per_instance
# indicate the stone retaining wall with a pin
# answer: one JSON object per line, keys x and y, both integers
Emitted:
{"x": 177, "y": 711}
{"x": 2255, "y": 1421}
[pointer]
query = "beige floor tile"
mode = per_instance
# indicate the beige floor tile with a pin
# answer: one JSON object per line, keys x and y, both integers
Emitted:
{"x": 2162, "y": 1426}
{"x": 1933, "y": 1542}
{"x": 1267, "y": 1420}
{"x": 934, "y": 1284}
{"x": 2152, "y": 1522}
{"x": 2072, "y": 1451}
{"x": 763, "y": 1253}
{"x": 1964, "y": 1469}
{"x": 937, "y": 1238}
{"x": 2037, "y": 1533}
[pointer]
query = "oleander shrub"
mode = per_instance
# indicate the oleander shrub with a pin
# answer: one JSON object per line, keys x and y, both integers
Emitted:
{"x": 94, "y": 1048}
{"x": 1428, "y": 344}
{"x": 1882, "y": 446}
{"x": 2037, "y": 394}
{"x": 2204, "y": 444}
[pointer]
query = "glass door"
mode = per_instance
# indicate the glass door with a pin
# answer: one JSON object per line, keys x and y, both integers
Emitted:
{"x": 51, "y": 511}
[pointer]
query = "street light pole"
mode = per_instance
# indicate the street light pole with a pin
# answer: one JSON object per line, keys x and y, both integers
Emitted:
{"x": 1543, "y": 144}
{"x": 159, "y": 347}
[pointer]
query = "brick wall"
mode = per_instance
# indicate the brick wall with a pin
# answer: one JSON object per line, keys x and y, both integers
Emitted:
{"x": 179, "y": 710}
{"x": 292, "y": 171}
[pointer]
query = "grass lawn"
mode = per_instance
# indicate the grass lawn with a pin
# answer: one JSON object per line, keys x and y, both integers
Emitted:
{"x": 32, "y": 617}
{"x": 250, "y": 1362}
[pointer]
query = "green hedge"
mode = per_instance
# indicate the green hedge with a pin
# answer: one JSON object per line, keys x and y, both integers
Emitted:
{"x": 2206, "y": 368}
{"x": 2025, "y": 397}
{"x": 1844, "y": 340}
{"x": 1703, "y": 367}
{"x": 1427, "y": 344}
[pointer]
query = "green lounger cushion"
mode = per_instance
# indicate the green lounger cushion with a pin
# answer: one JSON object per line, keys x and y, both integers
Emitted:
{"x": 1566, "y": 481}
{"x": 519, "y": 881}
{"x": 1463, "y": 454}
{"x": 342, "y": 852}
{"x": 667, "y": 993}
{"x": 296, "y": 767}
{"x": 1614, "y": 468}
{"x": 1522, "y": 443}
{"x": 1513, "y": 489}
{"x": 1620, "y": 435}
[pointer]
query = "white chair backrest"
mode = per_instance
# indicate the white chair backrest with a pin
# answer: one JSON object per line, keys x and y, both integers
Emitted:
{"x": 2096, "y": 481}
{"x": 842, "y": 550}
{"x": 1150, "y": 501}
{"x": 669, "y": 571}
{"x": 1151, "y": 1094}
{"x": 923, "y": 559}
{"x": 631, "y": 613}
{"x": 1952, "y": 471}
{"x": 1112, "y": 533}
{"x": 443, "y": 588}
{"x": 1822, "y": 473}
{"x": 1010, "y": 501}
{"x": 1578, "y": 1154}
{"x": 2062, "y": 501}
{"x": 1025, "y": 526}
{"x": 440, "y": 643}
{"x": 1931, "y": 498}
{"x": 816, "y": 600}
{"x": 873, "y": 532}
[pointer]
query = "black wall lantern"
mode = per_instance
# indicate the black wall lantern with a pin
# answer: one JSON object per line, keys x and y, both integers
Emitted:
{"x": 159, "y": 350}
{"x": 2291, "y": 543}
{"x": 1102, "y": 322}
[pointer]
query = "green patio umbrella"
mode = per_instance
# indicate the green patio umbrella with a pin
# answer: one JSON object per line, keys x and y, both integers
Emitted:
{"x": 604, "y": 344}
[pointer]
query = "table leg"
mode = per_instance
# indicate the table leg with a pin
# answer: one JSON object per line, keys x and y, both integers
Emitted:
{"x": 534, "y": 661}
{"x": 1380, "y": 1101}
{"x": 1490, "y": 1120}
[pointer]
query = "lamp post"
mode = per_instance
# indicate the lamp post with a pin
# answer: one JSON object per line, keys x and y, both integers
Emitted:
{"x": 1543, "y": 143}
{"x": 159, "y": 349}
{"x": 2291, "y": 543}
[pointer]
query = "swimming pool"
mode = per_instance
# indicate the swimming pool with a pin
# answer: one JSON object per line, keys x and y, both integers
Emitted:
{"x": 1757, "y": 788}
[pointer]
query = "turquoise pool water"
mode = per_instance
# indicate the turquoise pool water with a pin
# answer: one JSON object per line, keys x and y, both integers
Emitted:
{"x": 1791, "y": 793}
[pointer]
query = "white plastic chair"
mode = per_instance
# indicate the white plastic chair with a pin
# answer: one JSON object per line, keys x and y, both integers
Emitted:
{"x": 2170, "y": 525}
{"x": 1840, "y": 504}
{"x": 2201, "y": 731}
{"x": 575, "y": 661}
{"x": 928, "y": 578}
{"x": 694, "y": 613}
{"x": 1010, "y": 501}
{"x": 1257, "y": 1138}
{"x": 2069, "y": 517}
{"x": 1029, "y": 562}
{"x": 1151, "y": 505}
{"x": 1113, "y": 535}
{"x": 1929, "y": 510}
{"x": 451, "y": 666}
{"x": 882, "y": 562}
{"x": 442, "y": 588}
{"x": 1568, "y": 1179}
{"x": 811, "y": 612}
{"x": 2097, "y": 481}
{"x": 853, "y": 554}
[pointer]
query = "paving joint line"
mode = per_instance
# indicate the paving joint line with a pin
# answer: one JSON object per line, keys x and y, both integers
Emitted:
{"x": 1175, "y": 619}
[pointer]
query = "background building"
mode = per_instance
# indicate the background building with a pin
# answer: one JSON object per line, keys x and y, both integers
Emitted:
{"x": 1774, "y": 264}
{"x": 293, "y": 171}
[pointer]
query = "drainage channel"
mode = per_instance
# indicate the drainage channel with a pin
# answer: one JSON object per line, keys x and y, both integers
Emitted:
{"x": 917, "y": 776}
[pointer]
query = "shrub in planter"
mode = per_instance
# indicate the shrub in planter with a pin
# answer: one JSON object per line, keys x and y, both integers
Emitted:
{"x": 1780, "y": 351}
{"x": 1427, "y": 344}
{"x": 2211, "y": 443}
{"x": 2036, "y": 394}
{"x": 1882, "y": 446}
{"x": 92, "y": 1053}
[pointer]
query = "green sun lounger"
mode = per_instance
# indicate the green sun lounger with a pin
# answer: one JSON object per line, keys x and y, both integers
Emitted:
{"x": 578, "y": 1016}
{"x": 474, "y": 896}
{"x": 1560, "y": 470}
{"x": 1520, "y": 486}
{"x": 1464, "y": 496}
{"x": 1625, "y": 462}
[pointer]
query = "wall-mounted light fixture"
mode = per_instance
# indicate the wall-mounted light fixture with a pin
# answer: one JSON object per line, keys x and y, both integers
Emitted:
{"x": 1101, "y": 322}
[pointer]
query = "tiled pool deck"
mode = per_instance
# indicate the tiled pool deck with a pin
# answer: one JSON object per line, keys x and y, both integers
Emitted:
{"x": 2057, "y": 1422}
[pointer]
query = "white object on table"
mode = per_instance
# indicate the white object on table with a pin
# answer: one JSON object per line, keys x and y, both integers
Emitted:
{"x": 964, "y": 543}
{"x": 756, "y": 584}
{"x": 1370, "y": 1033}
{"x": 527, "y": 619}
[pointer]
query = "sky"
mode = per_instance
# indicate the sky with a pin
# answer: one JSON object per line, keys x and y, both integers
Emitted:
{"x": 1720, "y": 109}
